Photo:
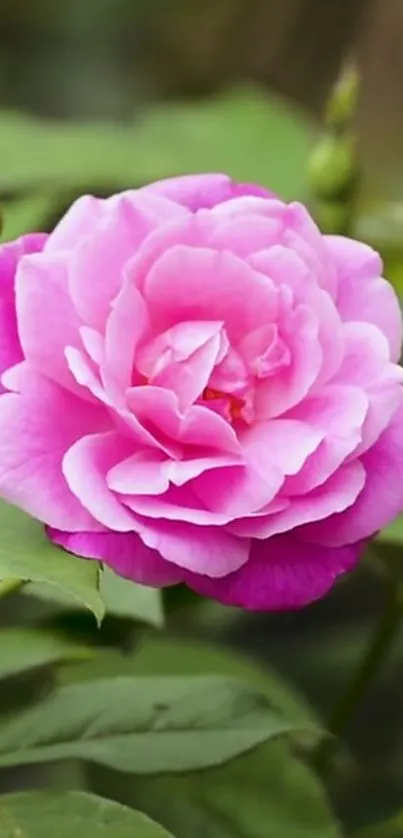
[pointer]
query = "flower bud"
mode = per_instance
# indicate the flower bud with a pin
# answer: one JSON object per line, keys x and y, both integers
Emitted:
{"x": 342, "y": 103}
{"x": 333, "y": 168}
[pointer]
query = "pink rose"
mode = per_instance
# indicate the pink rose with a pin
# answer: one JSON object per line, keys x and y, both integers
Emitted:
{"x": 202, "y": 388}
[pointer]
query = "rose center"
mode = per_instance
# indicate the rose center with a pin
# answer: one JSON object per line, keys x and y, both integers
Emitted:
{"x": 234, "y": 404}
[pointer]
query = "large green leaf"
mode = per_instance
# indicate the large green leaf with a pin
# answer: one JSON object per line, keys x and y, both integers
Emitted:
{"x": 24, "y": 650}
{"x": 267, "y": 793}
{"x": 127, "y": 599}
{"x": 25, "y": 553}
{"x": 71, "y": 815}
{"x": 166, "y": 656}
{"x": 245, "y": 133}
{"x": 146, "y": 725}
{"x": 274, "y": 792}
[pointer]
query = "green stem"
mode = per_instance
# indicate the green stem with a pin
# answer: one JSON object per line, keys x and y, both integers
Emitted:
{"x": 373, "y": 658}
{"x": 10, "y": 586}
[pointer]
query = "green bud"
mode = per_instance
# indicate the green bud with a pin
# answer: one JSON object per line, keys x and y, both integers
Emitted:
{"x": 332, "y": 217}
{"x": 332, "y": 168}
{"x": 342, "y": 104}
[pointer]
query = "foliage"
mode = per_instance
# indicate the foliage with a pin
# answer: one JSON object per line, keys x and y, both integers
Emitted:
{"x": 43, "y": 815}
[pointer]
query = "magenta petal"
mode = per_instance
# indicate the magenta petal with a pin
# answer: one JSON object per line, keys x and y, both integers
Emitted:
{"x": 158, "y": 410}
{"x": 97, "y": 263}
{"x": 188, "y": 379}
{"x": 86, "y": 466}
{"x": 209, "y": 550}
{"x": 281, "y": 574}
{"x": 37, "y": 427}
{"x": 10, "y": 254}
{"x": 203, "y": 191}
{"x": 339, "y": 493}
{"x": 340, "y": 413}
{"x": 127, "y": 324}
{"x": 362, "y": 292}
{"x": 77, "y": 223}
{"x": 208, "y": 285}
{"x": 381, "y": 499}
{"x": 46, "y": 328}
{"x": 239, "y": 490}
{"x": 144, "y": 473}
{"x": 282, "y": 392}
{"x": 125, "y": 553}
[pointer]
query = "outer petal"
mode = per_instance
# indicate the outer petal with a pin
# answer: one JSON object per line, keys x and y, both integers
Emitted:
{"x": 10, "y": 255}
{"x": 302, "y": 235}
{"x": 281, "y": 574}
{"x": 36, "y": 429}
{"x": 125, "y": 553}
{"x": 208, "y": 550}
{"x": 203, "y": 191}
{"x": 47, "y": 320}
{"x": 337, "y": 494}
{"x": 362, "y": 292}
{"x": 77, "y": 223}
{"x": 97, "y": 263}
{"x": 381, "y": 499}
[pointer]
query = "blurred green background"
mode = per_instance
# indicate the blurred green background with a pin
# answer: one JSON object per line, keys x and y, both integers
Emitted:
{"x": 110, "y": 94}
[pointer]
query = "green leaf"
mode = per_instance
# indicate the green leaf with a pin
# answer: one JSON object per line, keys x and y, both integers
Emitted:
{"x": 267, "y": 793}
{"x": 71, "y": 814}
{"x": 26, "y": 553}
{"x": 274, "y": 792}
{"x": 244, "y": 133}
{"x": 24, "y": 650}
{"x": 146, "y": 725}
{"x": 27, "y": 215}
{"x": 127, "y": 599}
{"x": 166, "y": 656}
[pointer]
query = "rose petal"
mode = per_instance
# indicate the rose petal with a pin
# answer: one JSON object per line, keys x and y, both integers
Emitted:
{"x": 140, "y": 474}
{"x": 126, "y": 326}
{"x": 36, "y": 429}
{"x": 381, "y": 499}
{"x": 208, "y": 286}
{"x": 104, "y": 253}
{"x": 282, "y": 574}
{"x": 85, "y": 467}
{"x": 362, "y": 292}
{"x": 198, "y": 191}
{"x": 207, "y": 550}
{"x": 158, "y": 411}
{"x": 336, "y": 495}
{"x": 339, "y": 412}
{"x": 10, "y": 254}
{"x": 275, "y": 395}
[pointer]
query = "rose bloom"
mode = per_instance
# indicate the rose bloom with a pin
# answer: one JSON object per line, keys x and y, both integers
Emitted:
{"x": 198, "y": 387}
